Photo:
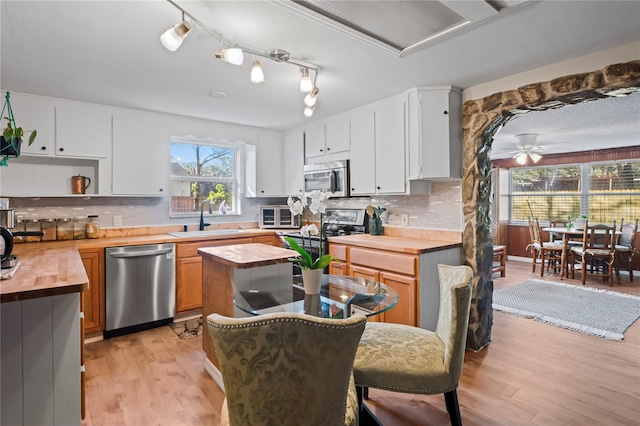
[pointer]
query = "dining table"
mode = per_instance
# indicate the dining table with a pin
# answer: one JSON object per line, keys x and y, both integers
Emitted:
{"x": 567, "y": 233}
{"x": 340, "y": 297}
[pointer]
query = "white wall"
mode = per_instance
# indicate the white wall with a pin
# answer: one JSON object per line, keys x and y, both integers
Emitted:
{"x": 593, "y": 62}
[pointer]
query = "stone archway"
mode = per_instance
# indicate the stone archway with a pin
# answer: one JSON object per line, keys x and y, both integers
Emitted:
{"x": 481, "y": 119}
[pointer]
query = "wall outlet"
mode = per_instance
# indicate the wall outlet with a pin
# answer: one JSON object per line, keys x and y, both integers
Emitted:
{"x": 117, "y": 220}
{"x": 404, "y": 219}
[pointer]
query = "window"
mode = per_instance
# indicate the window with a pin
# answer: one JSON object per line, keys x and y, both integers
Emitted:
{"x": 203, "y": 172}
{"x": 604, "y": 192}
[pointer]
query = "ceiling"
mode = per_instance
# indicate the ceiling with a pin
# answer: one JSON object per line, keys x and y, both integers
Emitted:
{"x": 109, "y": 52}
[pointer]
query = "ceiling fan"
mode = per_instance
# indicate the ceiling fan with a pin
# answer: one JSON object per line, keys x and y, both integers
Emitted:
{"x": 527, "y": 146}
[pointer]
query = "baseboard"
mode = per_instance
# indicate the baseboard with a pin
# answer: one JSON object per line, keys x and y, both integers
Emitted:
{"x": 214, "y": 373}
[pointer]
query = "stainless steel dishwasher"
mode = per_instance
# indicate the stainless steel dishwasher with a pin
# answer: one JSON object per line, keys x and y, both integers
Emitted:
{"x": 140, "y": 287}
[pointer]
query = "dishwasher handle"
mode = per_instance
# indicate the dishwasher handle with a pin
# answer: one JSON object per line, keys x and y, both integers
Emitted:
{"x": 141, "y": 253}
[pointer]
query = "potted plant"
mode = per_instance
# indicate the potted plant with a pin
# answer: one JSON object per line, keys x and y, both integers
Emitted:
{"x": 11, "y": 138}
{"x": 311, "y": 269}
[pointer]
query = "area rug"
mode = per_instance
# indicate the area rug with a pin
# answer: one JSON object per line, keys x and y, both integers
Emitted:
{"x": 588, "y": 310}
{"x": 187, "y": 329}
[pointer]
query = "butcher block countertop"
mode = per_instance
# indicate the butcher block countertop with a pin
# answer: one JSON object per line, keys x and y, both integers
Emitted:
{"x": 397, "y": 244}
{"x": 45, "y": 270}
{"x": 244, "y": 256}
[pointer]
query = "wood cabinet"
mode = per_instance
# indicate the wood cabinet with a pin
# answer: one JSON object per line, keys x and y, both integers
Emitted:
{"x": 435, "y": 133}
{"x": 94, "y": 297}
{"x": 269, "y": 167}
{"x": 340, "y": 265}
{"x": 189, "y": 268}
{"x": 137, "y": 136}
{"x": 82, "y": 130}
{"x": 294, "y": 164}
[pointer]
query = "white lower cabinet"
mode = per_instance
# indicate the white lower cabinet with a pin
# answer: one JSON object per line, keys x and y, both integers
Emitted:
{"x": 141, "y": 154}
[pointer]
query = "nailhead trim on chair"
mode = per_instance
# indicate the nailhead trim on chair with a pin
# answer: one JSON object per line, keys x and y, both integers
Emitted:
{"x": 271, "y": 321}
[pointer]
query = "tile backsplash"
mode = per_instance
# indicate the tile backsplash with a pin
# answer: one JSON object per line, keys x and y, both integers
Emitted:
{"x": 442, "y": 209}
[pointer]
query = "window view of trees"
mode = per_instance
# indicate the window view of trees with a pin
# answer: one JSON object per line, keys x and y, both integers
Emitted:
{"x": 202, "y": 172}
{"x": 611, "y": 192}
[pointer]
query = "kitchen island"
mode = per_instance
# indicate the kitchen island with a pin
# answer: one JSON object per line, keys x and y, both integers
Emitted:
{"x": 40, "y": 337}
{"x": 232, "y": 268}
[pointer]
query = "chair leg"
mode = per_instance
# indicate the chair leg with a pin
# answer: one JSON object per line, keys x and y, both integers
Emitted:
{"x": 451, "y": 402}
{"x": 541, "y": 263}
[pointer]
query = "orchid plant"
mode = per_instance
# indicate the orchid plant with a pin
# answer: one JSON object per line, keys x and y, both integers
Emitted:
{"x": 318, "y": 206}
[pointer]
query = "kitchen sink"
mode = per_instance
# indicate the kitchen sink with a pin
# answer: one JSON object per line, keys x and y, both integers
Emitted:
{"x": 205, "y": 233}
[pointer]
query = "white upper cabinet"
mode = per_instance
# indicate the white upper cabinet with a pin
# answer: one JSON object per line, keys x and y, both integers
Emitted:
{"x": 269, "y": 166}
{"x": 294, "y": 164}
{"x": 82, "y": 130}
{"x": 328, "y": 141}
{"x": 390, "y": 145}
{"x": 363, "y": 158}
{"x": 141, "y": 154}
{"x": 435, "y": 133}
{"x": 33, "y": 113}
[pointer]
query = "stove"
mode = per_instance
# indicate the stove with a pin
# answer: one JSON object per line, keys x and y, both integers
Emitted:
{"x": 335, "y": 222}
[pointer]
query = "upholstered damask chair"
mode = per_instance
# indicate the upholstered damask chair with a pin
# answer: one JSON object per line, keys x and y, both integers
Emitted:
{"x": 287, "y": 369}
{"x": 408, "y": 359}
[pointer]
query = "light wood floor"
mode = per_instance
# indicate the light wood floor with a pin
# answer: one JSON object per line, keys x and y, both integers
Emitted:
{"x": 531, "y": 374}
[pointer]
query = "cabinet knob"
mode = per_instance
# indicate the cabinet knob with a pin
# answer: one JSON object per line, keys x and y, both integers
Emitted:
{"x": 328, "y": 149}
{"x": 321, "y": 150}
{"x": 160, "y": 189}
{"x": 61, "y": 149}
{"x": 44, "y": 148}
{"x": 353, "y": 189}
{"x": 378, "y": 187}
{"x": 446, "y": 112}
{"x": 262, "y": 192}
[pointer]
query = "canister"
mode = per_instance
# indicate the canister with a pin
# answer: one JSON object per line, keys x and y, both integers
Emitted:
{"x": 32, "y": 225}
{"x": 19, "y": 227}
{"x": 64, "y": 231}
{"x": 79, "y": 228}
{"x": 48, "y": 226}
{"x": 93, "y": 226}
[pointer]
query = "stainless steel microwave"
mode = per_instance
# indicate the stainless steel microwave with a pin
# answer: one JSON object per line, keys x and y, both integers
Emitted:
{"x": 278, "y": 217}
{"x": 331, "y": 177}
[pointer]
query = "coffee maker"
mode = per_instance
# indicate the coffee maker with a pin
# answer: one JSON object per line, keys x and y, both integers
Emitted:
{"x": 8, "y": 220}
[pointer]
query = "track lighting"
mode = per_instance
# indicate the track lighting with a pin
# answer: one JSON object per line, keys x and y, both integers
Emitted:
{"x": 312, "y": 97}
{"x": 232, "y": 55}
{"x": 257, "y": 76}
{"x": 305, "y": 81}
{"x": 308, "y": 111}
{"x": 172, "y": 38}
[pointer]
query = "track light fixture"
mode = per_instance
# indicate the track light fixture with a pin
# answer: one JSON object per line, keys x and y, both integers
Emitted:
{"x": 172, "y": 38}
{"x": 234, "y": 54}
{"x": 257, "y": 76}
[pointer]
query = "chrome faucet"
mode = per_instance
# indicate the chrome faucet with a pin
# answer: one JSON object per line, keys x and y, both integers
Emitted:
{"x": 202, "y": 224}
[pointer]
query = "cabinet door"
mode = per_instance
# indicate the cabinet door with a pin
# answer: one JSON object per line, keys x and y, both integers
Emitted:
{"x": 33, "y": 113}
{"x": 138, "y": 142}
{"x": 294, "y": 164}
{"x": 338, "y": 135}
{"x": 339, "y": 268}
{"x": 82, "y": 130}
{"x": 362, "y": 158}
{"x": 364, "y": 272}
{"x": 405, "y": 311}
{"x": 390, "y": 146}
{"x": 188, "y": 283}
{"x": 314, "y": 142}
{"x": 269, "y": 166}
{"x": 435, "y": 117}
{"x": 93, "y": 298}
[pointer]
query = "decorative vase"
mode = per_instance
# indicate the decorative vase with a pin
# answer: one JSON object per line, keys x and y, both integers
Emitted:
{"x": 375, "y": 226}
{"x": 579, "y": 223}
{"x": 312, "y": 280}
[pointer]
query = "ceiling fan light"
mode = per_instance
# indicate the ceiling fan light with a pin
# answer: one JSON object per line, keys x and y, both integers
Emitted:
{"x": 312, "y": 97}
{"x": 521, "y": 158}
{"x": 232, "y": 55}
{"x": 172, "y": 38}
{"x": 305, "y": 81}
{"x": 308, "y": 111}
{"x": 257, "y": 75}
{"x": 535, "y": 157}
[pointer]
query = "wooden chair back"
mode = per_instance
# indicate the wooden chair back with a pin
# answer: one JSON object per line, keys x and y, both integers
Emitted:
{"x": 629, "y": 231}
{"x": 599, "y": 236}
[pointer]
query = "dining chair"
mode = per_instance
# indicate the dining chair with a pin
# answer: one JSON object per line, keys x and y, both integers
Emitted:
{"x": 596, "y": 254}
{"x": 556, "y": 223}
{"x": 287, "y": 368}
{"x": 408, "y": 359}
{"x": 549, "y": 252}
{"x": 625, "y": 249}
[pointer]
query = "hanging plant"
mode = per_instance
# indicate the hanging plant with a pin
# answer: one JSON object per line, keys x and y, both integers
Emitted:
{"x": 11, "y": 138}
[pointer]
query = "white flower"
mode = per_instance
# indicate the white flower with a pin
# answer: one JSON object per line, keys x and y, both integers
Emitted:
{"x": 296, "y": 207}
{"x": 318, "y": 199}
{"x": 308, "y": 230}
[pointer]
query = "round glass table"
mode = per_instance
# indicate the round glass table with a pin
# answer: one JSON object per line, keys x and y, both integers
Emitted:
{"x": 338, "y": 294}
